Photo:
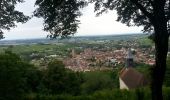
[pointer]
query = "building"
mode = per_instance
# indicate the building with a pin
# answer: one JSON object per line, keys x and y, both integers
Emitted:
{"x": 129, "y": 78}
{"x": 73, "y": 54}
{"x": 129, "y": 59}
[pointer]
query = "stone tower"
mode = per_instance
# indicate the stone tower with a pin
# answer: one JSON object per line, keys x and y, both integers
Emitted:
{"x": 129, "y": 59}
{"x": 73, "y": 53}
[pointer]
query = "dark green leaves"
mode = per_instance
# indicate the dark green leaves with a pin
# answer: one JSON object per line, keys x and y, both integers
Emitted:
{"x": 9, "y": 16}
{"x": 13, "y": 82}
{"x": 130, "y": 12}
{"x": 60, "y": 16}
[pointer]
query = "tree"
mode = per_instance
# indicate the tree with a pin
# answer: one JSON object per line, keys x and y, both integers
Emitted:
{"x": 13, "y": 76}
{"x": 60, "y": 16}
{"x": 9, "y": 16}
{"x": 167, "y": 74}
{"x": 154, "y": 16}
{"x": 58, "y": 79}
{"x": 97, "y": 81}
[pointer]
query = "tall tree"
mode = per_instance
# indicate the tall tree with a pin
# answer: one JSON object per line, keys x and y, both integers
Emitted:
{"x": 154, "y": 16}
{"x": 60, "y": 16}
{"x": 60, "y": 19}
{"x": 14, "y": 76}
{"x": 9, "y": 16}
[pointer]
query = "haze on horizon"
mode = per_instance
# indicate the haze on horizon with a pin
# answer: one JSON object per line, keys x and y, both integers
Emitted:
{"x": 91, "y": 25}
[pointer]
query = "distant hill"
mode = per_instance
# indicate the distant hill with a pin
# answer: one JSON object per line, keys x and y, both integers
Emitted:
{"x": 77, "y": 38}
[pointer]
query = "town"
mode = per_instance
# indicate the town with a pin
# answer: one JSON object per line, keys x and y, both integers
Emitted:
{"x": 104, "y": 53}
{"x": 85, "y": 53}
{"x": 89, "y": 65}
{"x": 91, "y": 59}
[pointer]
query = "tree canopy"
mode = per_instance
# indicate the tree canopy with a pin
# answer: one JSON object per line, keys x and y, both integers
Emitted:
{"x": 134, "y": 12}
{"x": 14, "y": 80}
{"x": 57, "y": 79}
{"x": 9, "y": 16}
{"x": 60, "y": 16}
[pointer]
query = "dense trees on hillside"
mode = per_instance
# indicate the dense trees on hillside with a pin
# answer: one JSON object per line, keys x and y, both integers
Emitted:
{"x": 14, "y": 80}
{"x": 18, "y": 78}
{"x": 58, "y": 80}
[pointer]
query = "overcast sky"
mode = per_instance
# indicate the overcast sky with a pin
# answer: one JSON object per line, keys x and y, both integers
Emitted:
{"x": 90, "y": 25}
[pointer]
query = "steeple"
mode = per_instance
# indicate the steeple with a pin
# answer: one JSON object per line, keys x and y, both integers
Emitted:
{"x": 129, "y": 59}
{"x": 73, "y": 53}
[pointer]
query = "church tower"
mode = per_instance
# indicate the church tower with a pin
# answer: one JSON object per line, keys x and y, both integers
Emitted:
{"x": 129, "y": 59}
{"x": 73, "y": 53}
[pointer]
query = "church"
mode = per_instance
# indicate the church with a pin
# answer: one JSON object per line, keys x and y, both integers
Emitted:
{"x": 130, "y": 78}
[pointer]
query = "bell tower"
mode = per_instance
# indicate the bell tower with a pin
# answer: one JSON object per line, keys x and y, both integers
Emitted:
{"x": 73, "y": 53}
{"x": 129, "y": 59}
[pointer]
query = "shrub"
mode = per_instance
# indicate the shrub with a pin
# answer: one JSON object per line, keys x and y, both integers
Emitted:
{"x": 13, "y": 80}
{"x": 58, "y": 80}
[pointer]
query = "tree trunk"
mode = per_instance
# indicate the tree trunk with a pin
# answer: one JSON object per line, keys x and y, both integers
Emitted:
{"x": 161, "y": 47}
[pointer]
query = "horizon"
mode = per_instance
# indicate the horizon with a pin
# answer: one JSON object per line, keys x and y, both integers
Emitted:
{"x": 90, "y": 25}
{"x": 119, "y": 34}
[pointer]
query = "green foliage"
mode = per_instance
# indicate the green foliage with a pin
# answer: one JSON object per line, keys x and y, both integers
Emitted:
{"x": 115, "y": 94}
{"x": 54, "y": 77}
{"x": 97, "y": 80}
{"x": 9, "y": 15}
{"x": 60, "y": 16}
{"x": 143, "y": 68}
{"x": 39, "y": 50}
{"x": 145, "y": 42}
{"x": 58, "y": 80}
{"x": 125, "y": 10}
{"x": 33, "y": 78}
{"x": 166, "y": 93}
{"x": 167, "y": 74}
{"x": 153, "y": 15}
{"x": 13, "y": 76}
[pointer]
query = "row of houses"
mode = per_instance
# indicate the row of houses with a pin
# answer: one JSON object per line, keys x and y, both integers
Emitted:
{"x": 92, "y": 58}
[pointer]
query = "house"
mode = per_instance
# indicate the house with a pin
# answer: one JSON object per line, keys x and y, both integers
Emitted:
{"x": 130, "y": 78}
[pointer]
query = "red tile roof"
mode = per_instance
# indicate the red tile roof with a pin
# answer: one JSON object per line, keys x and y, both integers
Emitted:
{"x": 132, "y": 78}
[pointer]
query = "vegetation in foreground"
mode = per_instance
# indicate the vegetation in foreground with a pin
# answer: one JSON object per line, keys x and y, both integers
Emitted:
{"x": 20, "y": 80}
{"x": 115, "y": 94}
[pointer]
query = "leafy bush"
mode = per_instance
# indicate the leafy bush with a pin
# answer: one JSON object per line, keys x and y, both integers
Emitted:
{"x": 58, "y": 80}
{"x": 167, "y": 74}
{"x": 13, "y": 76}
{"x": 116, "y": 94}
{"x": 97, "y": 80}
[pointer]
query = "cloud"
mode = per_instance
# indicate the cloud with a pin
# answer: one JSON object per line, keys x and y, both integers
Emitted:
{"x": 103, "y": 25}
{"x": 90, "y": 25}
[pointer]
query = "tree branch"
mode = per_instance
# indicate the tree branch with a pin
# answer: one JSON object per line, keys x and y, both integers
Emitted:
{"x": 151, "y": 2}
{"x": 145, "y": 12}
{"x": 168, "y": 14}
{"x": 0, "y": 4}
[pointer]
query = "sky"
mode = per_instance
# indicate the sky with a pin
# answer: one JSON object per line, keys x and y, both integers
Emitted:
{"x": 105, "y": 24}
